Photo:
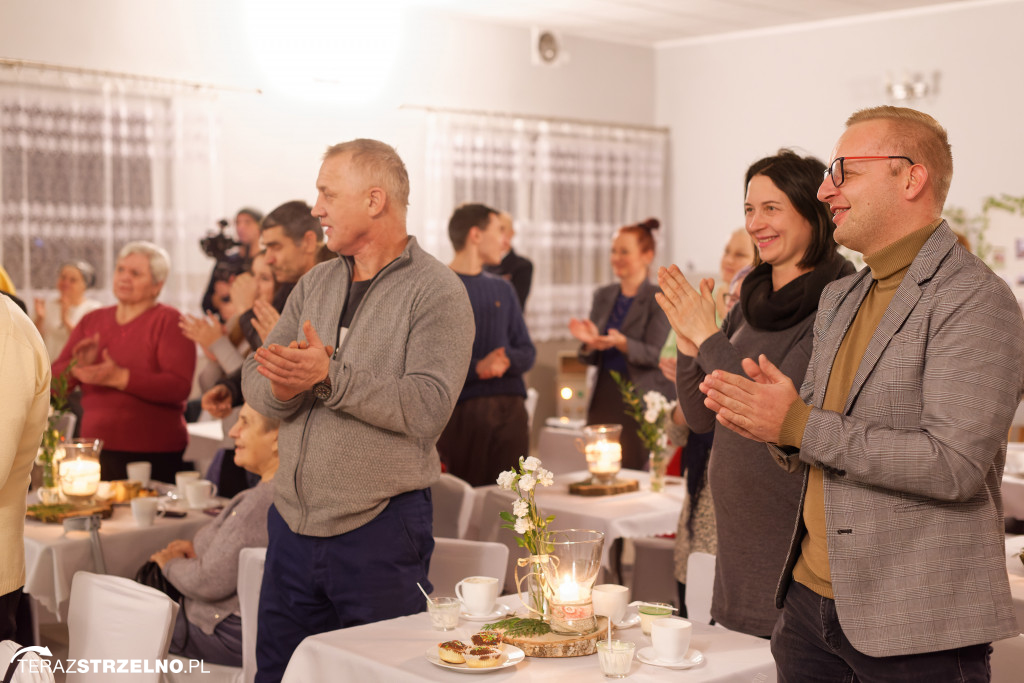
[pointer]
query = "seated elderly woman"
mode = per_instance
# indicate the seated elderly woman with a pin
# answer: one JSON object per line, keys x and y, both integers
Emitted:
{"x": 205, "y": 570}
{"x": 135, "y": 368}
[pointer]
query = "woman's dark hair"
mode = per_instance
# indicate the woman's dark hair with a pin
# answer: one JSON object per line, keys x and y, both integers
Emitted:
{"x": 799, "y": 178}
{"x": 644, "y": 233}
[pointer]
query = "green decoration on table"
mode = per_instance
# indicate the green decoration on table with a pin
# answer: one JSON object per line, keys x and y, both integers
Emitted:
{"x": 651, "y": 413}
{"x": 52, "y": 438}
{"x": 517, "y": 627}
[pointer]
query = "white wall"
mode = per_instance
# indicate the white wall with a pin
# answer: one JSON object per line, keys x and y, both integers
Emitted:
{"x": 272, "y": 142}
{"x": 732, "y": 100}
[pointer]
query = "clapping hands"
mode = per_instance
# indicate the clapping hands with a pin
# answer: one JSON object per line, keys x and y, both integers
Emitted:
{"x": 690, "y": 312}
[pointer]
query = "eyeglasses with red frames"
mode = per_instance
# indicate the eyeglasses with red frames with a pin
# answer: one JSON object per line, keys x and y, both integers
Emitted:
{"x": 837, "y": 173}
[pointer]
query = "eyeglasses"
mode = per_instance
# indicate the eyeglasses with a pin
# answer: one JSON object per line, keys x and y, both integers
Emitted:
{"x": 837, "y": 173}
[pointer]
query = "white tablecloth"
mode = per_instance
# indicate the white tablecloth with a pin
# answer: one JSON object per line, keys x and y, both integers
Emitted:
{"x": 394, "y": 650}
{"x": 52, "y": 556}
{"x": 624, "y": 515}
{"x": 1013, "y": 495}
{"x": 204, "y": 440}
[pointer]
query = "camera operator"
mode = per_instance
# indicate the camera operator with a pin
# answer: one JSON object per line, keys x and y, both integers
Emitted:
{"x": 233, "y": 257}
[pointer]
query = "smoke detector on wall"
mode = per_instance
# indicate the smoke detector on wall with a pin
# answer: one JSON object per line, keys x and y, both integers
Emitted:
{"x": 546, "y": 48}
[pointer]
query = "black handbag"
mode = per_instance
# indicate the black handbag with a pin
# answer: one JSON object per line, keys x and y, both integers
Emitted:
{"x": 151, "y": 575}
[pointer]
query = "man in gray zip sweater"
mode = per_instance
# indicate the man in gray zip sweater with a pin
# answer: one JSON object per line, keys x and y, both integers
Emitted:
{"x": 363, "y": 369}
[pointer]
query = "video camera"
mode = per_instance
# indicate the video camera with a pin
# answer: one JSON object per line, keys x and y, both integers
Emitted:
{"x": 227, "y": 252}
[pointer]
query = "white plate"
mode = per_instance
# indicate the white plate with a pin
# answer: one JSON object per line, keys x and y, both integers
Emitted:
{"x": 628, "y": 622}
{"x": 499, "y": 612}
{"x": 693, "y": 658}
{"x": 514, "y": 656}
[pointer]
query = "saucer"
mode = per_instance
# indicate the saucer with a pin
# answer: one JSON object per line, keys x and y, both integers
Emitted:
{"x": 500, "y": 612}
{"x": 693, "y": 658}
{"x": 628, "y": 622}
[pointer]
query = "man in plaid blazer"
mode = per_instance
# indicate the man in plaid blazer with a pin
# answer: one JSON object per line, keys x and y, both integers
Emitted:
{"x": 896, "y": 570}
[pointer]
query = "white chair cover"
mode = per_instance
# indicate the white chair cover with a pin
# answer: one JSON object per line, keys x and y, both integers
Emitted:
{"x": 700, "y": 584}
{"x": 495, "y": 501}
{"x": 453, "y": 505}
{"x": 454, "y": 559}
{"x": 31, "y": 669}
{"x": 111, "y": 617}
{"x": 653, "y": 576}
{"x": 250, "y": 577}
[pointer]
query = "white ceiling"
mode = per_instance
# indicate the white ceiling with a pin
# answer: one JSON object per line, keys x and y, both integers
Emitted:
{"x": 649, "y": 22}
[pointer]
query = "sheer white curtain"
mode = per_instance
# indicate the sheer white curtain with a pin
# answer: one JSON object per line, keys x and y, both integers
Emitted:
{"x": 88, "y": 166}
{"x": 568, "y": 186}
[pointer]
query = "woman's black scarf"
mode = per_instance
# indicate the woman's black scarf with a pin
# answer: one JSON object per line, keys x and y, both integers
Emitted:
{"x": 773, "y": 311}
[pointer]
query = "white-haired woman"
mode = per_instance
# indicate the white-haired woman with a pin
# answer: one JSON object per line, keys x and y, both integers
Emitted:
{"x": 57, "y": 316}
{"x": 135, "y": 368}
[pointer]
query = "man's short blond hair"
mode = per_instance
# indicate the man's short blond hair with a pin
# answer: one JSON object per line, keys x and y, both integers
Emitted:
{"x": 919, "y": 136}
{"x": 379, "y": 165}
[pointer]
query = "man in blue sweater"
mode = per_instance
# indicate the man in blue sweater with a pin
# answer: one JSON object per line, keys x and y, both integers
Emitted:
{"x": 488, "y": 431}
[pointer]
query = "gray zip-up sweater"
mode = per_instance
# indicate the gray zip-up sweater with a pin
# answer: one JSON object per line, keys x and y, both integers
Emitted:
{"x": 395, "y": 380}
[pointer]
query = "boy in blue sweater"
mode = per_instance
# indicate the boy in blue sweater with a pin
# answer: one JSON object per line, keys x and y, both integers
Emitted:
{"x": 488, "y": 431}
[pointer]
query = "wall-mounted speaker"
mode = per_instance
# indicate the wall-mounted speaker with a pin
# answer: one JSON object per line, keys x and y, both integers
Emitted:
{"x": 546, "y": 48}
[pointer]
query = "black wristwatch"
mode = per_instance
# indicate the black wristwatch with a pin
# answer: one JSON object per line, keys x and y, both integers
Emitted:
{"x": 322, "y": 390}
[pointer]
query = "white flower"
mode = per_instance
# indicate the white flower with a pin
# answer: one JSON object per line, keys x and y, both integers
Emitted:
{"x": 655, "y": 401}
{"x": 544, "y": 477}
{"x": 523, "y": 524}
{"x": 663, "y": 441}
{"x": 651, "y": 415}
{"x": 505, "y": 480}
{"x": 532, "y": 463}
{"x": 520, "y": 508}
{"x": 527, "y": 482}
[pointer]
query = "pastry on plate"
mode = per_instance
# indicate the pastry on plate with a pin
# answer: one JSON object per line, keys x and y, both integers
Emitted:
{"x": 487, "y": 639}
{"x": 452, "y": 651}
{"x": 483, "y": 657}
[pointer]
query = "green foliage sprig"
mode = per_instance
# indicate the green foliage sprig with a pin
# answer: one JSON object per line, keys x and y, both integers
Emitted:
{"x": 649, "y": 412}
{"x": 517, "y": 627}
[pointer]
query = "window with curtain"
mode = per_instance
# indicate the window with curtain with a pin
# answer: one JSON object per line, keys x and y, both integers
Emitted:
{"x": 87, "y": 167}
{"x": 568, "y": 186}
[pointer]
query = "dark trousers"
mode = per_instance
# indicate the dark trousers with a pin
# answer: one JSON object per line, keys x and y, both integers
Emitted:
{"x": 809, "y": 645}
{"x": 485, "y": 437}
{"x": 9, "y": 615}
{"x": 312, "y": 585}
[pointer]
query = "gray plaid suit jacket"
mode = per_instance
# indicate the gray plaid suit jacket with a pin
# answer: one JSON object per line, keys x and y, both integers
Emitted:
{"x": 912, "y": 467}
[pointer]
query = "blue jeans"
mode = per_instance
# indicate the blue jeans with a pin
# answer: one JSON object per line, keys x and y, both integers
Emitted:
{"x": 809, "y": 645}
{"x": 313, "y": 585}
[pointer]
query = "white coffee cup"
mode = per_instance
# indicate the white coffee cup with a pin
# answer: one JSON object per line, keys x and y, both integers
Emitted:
{"x": 199, "y": 493}
{"x": 610, "y": 600}
{"x": 478, "y": 594}
{"x": 140, "y": 471}
{"x": 671, "y": 639}
{"x": 183, "y": 479}
{"x": 144, "y": 510}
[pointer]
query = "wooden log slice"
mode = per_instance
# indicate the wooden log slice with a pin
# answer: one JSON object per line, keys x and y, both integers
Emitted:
{"x": 558, "y": 645}
{"x": 586, "y": 488}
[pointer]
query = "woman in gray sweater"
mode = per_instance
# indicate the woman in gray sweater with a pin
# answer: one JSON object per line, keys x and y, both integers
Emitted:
{"x": 754, "y": 499}
{"x": 205, "y": 570}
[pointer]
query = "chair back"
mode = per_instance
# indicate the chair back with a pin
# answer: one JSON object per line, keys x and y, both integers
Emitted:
{"x": 454, "y": 559}
{"x": 495, "y": 501}
{"x": 111, "y": 617}
{"x": 700, "y": 585}
{"x": 30, "y": 668}
{"x": 250, "y": 578}
{"x": 453, "y": 505}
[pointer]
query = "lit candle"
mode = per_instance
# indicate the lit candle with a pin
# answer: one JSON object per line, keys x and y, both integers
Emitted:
{"x": 605, "y": 457}
{"x": 568, "y": 590}
{"x": 79, "y": 477}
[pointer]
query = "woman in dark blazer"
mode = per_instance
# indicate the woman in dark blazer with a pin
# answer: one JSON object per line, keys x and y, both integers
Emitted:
{"x": 625, "y": 333}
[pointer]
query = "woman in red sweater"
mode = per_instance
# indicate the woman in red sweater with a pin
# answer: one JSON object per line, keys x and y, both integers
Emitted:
{"x": 135, "y": 368}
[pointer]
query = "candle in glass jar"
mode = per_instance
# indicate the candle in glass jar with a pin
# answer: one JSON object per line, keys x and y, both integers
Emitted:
{"x": 568, "y": 590}
{"x": 604, "y": 457}
{"x": 79, "y": 477}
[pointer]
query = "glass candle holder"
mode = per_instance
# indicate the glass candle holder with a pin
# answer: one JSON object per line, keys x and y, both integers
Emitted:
{"x": 603, "y": 451}
{"x": 80, "y": 469}
{"x": 575, "y": 560}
